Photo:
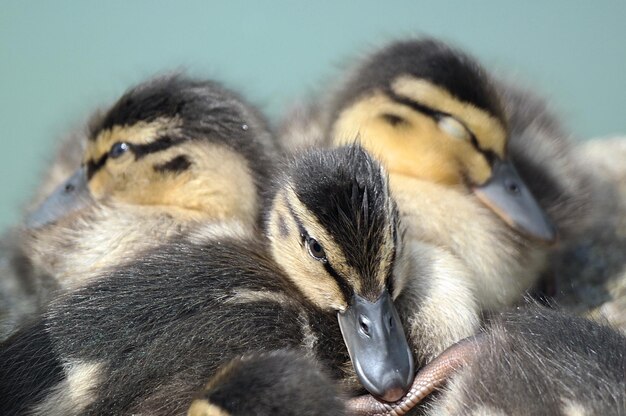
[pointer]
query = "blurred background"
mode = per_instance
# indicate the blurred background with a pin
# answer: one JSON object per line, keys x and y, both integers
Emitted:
{"x": 61, "y": 59}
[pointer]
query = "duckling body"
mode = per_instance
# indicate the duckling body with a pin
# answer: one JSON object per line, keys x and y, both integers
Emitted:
{"x": 235, "y": 300}
{"x": 174, "y": 156}
{"x": 499, "y": 264}
{"x": 174, "y": 317}
{"x": 541, "y": 362}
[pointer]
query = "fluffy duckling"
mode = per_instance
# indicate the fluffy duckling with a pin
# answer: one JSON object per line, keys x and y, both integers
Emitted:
{"x": 448, "y": 135}
{"x": 545, "y": 363}
{"x": 172, "y": 153}
{"x": 284, "y": 382}
{"x": 173, "y": 156}
{"x": 531, "y": 360}
{"x": 322, "y": 283}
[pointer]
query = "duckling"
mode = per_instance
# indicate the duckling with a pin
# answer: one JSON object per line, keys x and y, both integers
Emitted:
{"x": 591, "y": 270}
{"x": 321, "y": 283}
{"x": 283, "y": 382}
{"x": 530, "y": 360}
{"x": 451, "y": 138}
{"x": 173, "y": 155}
{"x": 21, "y": 288}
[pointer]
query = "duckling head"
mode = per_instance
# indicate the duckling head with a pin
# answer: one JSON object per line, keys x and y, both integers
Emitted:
{"x": 429, "y": 112}
{"x": 333, "y": 230}
{"x": 191, "y": 148}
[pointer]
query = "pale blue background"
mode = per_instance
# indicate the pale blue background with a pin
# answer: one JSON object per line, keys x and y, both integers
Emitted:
{"x": 60, "y": 59}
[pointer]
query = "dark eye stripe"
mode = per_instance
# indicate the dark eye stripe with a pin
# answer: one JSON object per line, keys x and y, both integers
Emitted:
{"x": 419, "y": 107}
{"x": 158, "y": 145}
{"x": 301, "y": 229}
{"x": 94, "y": 166}
{"x": 436, "y": 115}
{"x": 176, "y": 165}
{"x": 139, "y": 150}
{"x": 346, "y": 289}
{"x": 394, "y": 120}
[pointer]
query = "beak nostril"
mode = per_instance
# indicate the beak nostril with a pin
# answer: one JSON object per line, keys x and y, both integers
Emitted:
{"x": 364, "y": 327}
{"x": 390, "y": 322}
{"x": 69, "y": 188}
{"x": 513, "y": 187}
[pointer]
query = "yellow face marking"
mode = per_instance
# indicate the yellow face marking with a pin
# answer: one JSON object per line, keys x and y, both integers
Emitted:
{"x": 113, "y": 174}
{"x": 307, "y": 273}
{"x": 334, "y": 254}
{"x": 217, "y": 184}
{"x": 139, "y": 133}
{"x": 415, "y": 147}
{"x": 489, "y": 132}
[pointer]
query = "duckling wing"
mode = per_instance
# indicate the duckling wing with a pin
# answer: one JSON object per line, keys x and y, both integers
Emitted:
{"x": 161, "y": 327}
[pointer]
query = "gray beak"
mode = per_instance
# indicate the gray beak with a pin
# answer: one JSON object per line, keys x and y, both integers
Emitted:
{"x": 70, "y": 196}
{"x": 509, "y": 197}
{"x": 378, "y": 347}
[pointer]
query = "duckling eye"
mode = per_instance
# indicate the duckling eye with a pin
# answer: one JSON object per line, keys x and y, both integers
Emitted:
{"x": 454, "y": 128}
{"x": 316, "y": 250}
{"x": 118, "y": 149}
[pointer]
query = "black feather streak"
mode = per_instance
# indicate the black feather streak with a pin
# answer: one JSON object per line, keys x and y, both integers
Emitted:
{"x": 177, "y": 165}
